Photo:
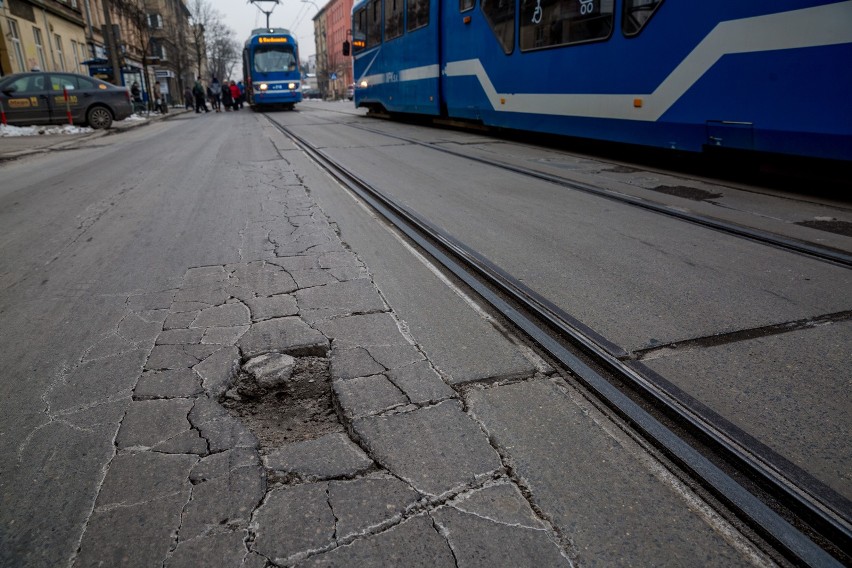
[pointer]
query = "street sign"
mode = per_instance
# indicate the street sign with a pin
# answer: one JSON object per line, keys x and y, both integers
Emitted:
{"x": 333, "y": 76}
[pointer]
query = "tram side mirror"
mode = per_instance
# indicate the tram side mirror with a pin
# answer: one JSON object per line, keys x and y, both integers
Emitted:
{"x": 346, "y": 48}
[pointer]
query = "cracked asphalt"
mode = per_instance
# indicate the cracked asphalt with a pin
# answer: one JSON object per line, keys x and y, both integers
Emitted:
{"x": 132, "y": 296}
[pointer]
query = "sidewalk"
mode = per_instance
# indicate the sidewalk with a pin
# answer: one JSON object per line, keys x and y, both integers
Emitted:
{"x": 13, "y": 147}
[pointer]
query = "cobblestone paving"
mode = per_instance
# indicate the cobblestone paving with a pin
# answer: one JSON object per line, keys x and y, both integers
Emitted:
{"x": 406, "y": 476}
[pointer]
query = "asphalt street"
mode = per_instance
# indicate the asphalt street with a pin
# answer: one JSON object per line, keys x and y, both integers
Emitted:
{"x": 214, "y": 355}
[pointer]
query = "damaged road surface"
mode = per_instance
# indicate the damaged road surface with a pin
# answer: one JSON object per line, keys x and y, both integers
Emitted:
{"x": 207, "y": 374}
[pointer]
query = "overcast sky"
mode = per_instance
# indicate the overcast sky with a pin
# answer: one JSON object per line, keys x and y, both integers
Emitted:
{"x": 295, "y": 15}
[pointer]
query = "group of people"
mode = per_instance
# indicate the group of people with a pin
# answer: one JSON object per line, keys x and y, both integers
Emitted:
{"x": 228, "y": 94}
{"x": 159, "y": 105}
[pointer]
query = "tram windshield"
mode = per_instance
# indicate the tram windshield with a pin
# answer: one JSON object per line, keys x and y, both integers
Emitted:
{"x": 274, "y": 58}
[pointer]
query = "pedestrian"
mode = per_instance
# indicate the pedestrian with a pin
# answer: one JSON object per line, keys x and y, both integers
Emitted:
{"x": 198, "y": 92}
{"x": 187, "y": 98}
{"x": 227, "y": 99}
{"x": 136, "y": 92}
{"x": 158, "y": 97}
{"x": 216, "y": 94}
{"x": 242, "y": 92}
{"x": 235, "y": 94}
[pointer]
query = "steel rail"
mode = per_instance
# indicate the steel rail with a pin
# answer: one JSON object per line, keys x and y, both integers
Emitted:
{"x": 784, "y": 536}
{"x": 764, "y": 237}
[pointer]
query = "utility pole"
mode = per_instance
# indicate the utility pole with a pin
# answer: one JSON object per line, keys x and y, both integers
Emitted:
{"x": 112, "y": 43}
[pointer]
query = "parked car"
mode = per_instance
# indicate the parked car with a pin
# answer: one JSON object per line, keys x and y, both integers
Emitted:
{"x": 39, "y": 98}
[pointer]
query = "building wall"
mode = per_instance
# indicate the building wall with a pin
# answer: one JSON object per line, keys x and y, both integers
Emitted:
{"x": 337, "y": 16}
{"x": 60, "y": 28}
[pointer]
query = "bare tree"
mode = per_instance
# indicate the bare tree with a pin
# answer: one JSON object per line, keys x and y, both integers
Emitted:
{"x": 202, "y": 17}
{"x": 135, "y": 14}
{"x": 223, "y": 50}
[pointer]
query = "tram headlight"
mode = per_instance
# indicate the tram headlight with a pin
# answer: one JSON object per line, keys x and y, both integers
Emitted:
{"x": 292, "y": 86}
{"x": 363, "y": 84}
{"x": 263, "y": 86}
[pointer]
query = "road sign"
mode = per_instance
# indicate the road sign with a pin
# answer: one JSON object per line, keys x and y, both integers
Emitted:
{"x": 333, "y": 76}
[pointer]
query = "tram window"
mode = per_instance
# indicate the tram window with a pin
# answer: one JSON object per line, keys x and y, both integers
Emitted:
{"x": 273, "y": 58}
{"x": 374, "y": 23}
{"x": 393, "y": 18}
{"x": 359, "y": 30}
{"x": 465, "y": 5}
{"x": 501, "y": 17}
{"x": 548, "y": 23}
{"x": 418, "y": 14}
{"x": 636, "y": 15}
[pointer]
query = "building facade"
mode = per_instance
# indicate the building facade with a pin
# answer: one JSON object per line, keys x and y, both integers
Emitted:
{"x": 332, "y": 27}
{"x": 150, "y": 39}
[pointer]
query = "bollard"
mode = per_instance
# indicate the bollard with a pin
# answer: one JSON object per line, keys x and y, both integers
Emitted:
{"x": 68, "y": 107}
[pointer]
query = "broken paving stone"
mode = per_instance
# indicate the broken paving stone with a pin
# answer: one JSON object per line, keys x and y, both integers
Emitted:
{"x": 414, "y": 543}
{"x": 221, "y": 430}
{"x": 272, "y": 307}
{"x": 342, "y": 298}
{"x": 310, "y": 277}
{"x": 363, "y": 330}
{"x": 421, "y": 383}
{"x": 437, "y": 449}
{"x": 139, "y": 477}
{"x": 105, "y": 380}
{"x": 328, "y": 457}
{"x": 211, "y": 295}
{"x": 364, "y": 396}
{"x": 188, "y": 442}
{"x": 217, "y": 465}
{"x": 164, "y": 357}
{"x": 292, "y": 522}
{"x": 260, "y": 279}
{"x": 227, "y": 500}
{"x": 168, "y": 384}
{"x": 217, "y": 371}
{"x": 226, "y": 548}
{"x": 369, "y": 503}
{"x": 149, "y": 422}
{"x": 180, "y": 320}
{"x": 136, "y": 329}
{"x": 226, "y": 315}
{"x": 283, "y": 335}
{"x": 351, "y": 363}
{"x": 180, "y": 337}
{"x": 481, "y": 541}
{"x": 395, "y": 356}
{"x": 110, "y": 346}
{"x": 223, "y": 335}
{"x": 501, "y": 503}
{"x": 270, "y": 370}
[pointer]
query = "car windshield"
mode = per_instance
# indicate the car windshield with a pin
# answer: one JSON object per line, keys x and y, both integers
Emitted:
{"x": 272, "y": 58}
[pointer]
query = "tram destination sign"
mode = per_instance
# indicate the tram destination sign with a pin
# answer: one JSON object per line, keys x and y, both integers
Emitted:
{"x": 263, "y": 39}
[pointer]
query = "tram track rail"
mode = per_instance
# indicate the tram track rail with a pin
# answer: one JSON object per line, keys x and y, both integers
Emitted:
{"x": 549, "y": 327}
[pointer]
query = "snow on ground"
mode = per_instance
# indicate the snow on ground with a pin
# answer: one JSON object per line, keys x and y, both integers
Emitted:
{"x": 7, "y": 131}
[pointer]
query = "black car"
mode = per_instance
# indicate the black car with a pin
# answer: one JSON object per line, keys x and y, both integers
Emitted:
{"x": 40, "y": 98}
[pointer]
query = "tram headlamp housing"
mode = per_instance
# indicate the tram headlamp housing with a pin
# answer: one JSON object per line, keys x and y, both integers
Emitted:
{"x": 363, "y": 84}
{"x": 263, "y": 86}
{"x": 292, "y": 86}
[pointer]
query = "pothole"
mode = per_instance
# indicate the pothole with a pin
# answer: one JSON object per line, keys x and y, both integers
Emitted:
{"x": 280, "y": 410}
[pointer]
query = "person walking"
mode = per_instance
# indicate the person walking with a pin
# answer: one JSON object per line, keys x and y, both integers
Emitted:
{"x": 235, "y": 95}
{"x": 216, "y": 94}
{"x": 158, "y": 97}
{"x": 187, "y": 98}
{"x": 227, "y": 100}
{"x": 198, "y": 92}
{"x": 242, "y": 92}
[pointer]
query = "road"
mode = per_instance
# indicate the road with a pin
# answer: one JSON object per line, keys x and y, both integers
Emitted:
{"x": 115, "y": 252}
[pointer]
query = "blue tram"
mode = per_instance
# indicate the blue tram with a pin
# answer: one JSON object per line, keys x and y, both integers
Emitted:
{"x": 758, "y": 75}
{"x": 271, "y": 69}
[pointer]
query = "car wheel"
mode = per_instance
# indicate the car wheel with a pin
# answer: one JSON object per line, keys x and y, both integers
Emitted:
{"x": 99, "y": 117}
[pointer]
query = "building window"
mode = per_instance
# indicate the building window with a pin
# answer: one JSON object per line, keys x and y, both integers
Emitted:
{"x": 40, "y": 49}
{"x": 155, "y": 21}
{"x": 60, "y": 55}
{"x": 16, "y": 45}
{"x": 76, "y": 52}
